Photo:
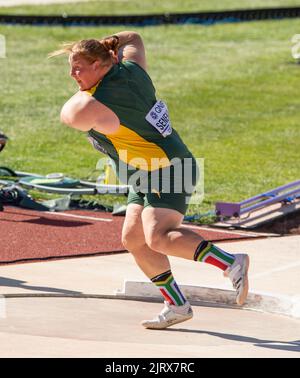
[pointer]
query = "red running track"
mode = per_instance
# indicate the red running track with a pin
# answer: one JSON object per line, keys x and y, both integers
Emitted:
{"x": 28, "y": 235}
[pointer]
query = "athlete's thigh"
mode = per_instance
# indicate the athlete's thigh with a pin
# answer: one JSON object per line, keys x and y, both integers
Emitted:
{"x": 158, "y": 221}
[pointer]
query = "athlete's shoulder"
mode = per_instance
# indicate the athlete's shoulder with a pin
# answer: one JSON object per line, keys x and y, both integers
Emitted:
{"x": 82, "y": 111}
{"x": 77, "y": 104}
{"x": 137, "y": 72}
{"x": 132, "y": 65}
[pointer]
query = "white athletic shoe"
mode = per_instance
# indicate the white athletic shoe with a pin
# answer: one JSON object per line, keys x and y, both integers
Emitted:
{"x": 170, "y": 315}
{"x": 238, "y": 274}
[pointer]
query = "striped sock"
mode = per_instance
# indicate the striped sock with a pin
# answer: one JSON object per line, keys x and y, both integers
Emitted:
{"x": 209, "y": 253}
{"x": 169, "y": 289}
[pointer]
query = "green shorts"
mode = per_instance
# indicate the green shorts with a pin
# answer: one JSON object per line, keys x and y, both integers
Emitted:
{"x": 175, "y": 201}
{"x": 169, "y": 188}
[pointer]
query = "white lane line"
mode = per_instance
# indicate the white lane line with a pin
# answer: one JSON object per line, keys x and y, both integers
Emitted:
{"x": 279, "y": 269}
{"x": 79, "y": 216}
{"x": 221, "y": 231}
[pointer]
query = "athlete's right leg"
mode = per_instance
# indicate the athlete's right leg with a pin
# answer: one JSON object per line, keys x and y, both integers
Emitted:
{"x": 152, "y": 263}
{"x": 156, "y": 266}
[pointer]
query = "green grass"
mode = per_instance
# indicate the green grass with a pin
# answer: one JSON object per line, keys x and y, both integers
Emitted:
{"x": 232, "y": 91}
{"x": 103, "y": 7}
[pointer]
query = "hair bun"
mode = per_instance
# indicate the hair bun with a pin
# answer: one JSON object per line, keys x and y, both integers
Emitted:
{"x": 111, "y": 43}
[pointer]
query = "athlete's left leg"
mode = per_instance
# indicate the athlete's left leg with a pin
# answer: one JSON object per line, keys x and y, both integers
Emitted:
{"x": 164, "y": 233}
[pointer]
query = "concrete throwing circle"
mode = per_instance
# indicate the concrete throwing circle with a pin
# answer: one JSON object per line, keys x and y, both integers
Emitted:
{"x": 95, "y": 327}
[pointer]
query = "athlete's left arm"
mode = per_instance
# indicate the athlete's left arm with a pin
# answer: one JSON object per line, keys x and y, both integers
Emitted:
{"x": 84, "y": 113}
{"x": 131, "y": 47}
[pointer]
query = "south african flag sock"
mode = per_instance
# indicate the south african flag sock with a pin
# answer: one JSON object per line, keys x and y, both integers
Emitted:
{"x": 209, "y": 253}
{"x": 169, "y": 288}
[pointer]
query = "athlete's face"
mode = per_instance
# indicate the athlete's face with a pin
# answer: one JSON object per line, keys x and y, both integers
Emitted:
{"x": 86, "y": 74}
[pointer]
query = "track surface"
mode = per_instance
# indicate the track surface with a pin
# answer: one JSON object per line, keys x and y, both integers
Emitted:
{"x": 32, "y": 235}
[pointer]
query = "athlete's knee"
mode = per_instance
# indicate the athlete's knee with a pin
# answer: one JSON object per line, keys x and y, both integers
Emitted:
{"x": 156, "y": 240}
{"x": 128, "y": 241}
{"x": 132, "y": 240}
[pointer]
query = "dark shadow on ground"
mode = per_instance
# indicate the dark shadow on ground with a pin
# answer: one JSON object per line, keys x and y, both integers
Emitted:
{"x": 9, "y": 282}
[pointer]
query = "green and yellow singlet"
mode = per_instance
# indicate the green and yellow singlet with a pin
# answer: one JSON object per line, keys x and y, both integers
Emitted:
{"x": 129, "y": 92}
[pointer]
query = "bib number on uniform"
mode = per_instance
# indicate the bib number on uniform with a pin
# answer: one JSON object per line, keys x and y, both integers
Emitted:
{"x": 158, "y": 117}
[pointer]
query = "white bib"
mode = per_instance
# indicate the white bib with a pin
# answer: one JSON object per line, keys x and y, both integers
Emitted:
{"x": 158, "y": 117}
